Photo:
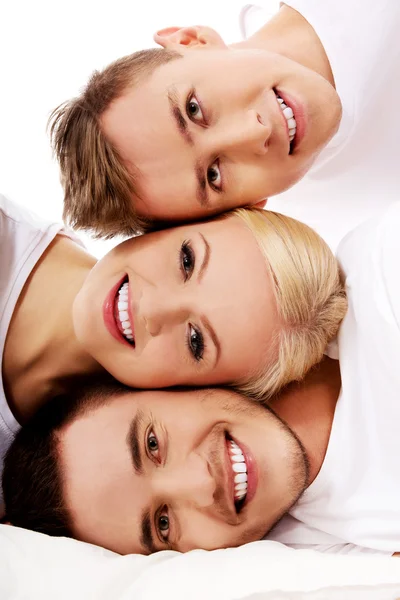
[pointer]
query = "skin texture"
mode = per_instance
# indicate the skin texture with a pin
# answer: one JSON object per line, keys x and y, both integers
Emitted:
{"x": 171, "y": 302}
{"x": 178, "y": 297}
{"x": 235, "y": 134}
{"x": 185, "y": 481}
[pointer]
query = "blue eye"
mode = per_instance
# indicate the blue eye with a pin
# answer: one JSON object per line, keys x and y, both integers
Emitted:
{"x": 187, "y": 260}
{"x": 196, "y": 343}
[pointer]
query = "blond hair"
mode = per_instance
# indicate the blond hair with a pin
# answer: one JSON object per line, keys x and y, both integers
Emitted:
{"x": 310, "y": 297}
{"x": 98, "y": 188}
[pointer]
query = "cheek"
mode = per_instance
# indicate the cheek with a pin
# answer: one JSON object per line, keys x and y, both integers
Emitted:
{"x": 156, "y": 260}
{"x": 202, "y": 531}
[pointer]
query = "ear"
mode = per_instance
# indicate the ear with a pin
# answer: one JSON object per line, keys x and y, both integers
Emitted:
{"x": 179, "y": 38}
{"x": 261, "y": 204}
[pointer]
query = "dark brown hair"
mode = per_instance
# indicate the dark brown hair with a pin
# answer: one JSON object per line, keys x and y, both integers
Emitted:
{"x": 32, "y": 476}
{"x": 99, "y": 189}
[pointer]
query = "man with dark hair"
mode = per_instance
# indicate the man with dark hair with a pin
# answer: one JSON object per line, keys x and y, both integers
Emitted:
{"x": 143, "y": 471}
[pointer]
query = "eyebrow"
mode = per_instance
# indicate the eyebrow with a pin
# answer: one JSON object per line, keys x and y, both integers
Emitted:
{"x": 182, "y": 126}
{"x": 204, "y": 319}
{"x": 132, "y": 440}
{"x": 146, "y": 537}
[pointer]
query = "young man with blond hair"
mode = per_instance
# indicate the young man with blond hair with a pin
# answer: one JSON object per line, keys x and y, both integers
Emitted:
{"x": 199, "y": 127}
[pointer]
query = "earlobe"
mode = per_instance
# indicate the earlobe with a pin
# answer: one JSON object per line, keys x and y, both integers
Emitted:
{"x": 261, "y": 203}
{"x": 178, "y": 38}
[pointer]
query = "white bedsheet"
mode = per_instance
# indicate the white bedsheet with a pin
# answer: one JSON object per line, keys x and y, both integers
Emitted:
{"x": 34, "y": 566}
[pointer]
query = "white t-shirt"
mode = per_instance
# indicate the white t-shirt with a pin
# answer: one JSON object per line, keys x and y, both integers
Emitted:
{"x": 358, "y": 173}
{"x": 23, "y": 239}
{"x": 355, "y": 499}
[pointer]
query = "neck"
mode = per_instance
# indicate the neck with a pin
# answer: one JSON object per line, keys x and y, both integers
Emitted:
{"x": 308, "y": 408}
{"x": 289, "y": 34}
{"x": 42, "y": 356}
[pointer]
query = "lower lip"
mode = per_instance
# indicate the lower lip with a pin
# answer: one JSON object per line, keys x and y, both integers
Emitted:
{"x": 252, "y": 476}
{"x": 299, "y": 115}
{"x": 109, "y": 313}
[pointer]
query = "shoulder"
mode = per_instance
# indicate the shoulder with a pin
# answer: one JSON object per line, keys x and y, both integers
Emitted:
{"x": 373, "y": 240}
{"x": 369, "y": 257}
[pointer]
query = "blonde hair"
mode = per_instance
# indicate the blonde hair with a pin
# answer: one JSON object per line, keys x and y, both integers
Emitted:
{"x": 310, "y": 297}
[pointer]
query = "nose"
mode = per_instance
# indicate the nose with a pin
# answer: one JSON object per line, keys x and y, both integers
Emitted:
{"x": 190, "y": 482}
{"x": 162, "y": 311}
{"x": 246, "y": 132}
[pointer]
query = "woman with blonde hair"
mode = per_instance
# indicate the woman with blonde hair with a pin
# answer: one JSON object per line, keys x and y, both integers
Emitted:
{"x": 250, "y": 299}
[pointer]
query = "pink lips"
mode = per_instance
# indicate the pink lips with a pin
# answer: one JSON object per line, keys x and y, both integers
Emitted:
{"x": 109, "y": 313}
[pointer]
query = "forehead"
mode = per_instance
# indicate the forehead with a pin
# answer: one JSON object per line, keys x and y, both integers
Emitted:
{"x": 142, "y": 126}
{"x": 115, "y": 416}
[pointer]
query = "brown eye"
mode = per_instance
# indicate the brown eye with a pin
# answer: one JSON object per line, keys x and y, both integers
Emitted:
{"x": 214, "y": 176}
{"x": 193, "y": 109}
{"x": 152, "y": 444}
{"x": 163, "y": 525}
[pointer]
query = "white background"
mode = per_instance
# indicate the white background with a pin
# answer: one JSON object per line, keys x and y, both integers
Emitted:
{"x": 47, "y": 52}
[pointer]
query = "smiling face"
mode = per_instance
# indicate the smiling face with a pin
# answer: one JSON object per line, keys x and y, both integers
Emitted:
{"x": 149, "y": 471}
{"x": 181, "y": 306}
{"x": 208, "y": 131}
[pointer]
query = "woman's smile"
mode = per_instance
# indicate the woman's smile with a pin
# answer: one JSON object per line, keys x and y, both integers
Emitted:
{"x": 117, "y": 313}
{"x": 123, "y": 313}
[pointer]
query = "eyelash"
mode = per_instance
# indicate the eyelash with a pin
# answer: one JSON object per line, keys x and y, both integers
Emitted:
{"x": 164, "y": 538}
{"x": 190, "y": 99}
{"x": 196, "y": 352}
{"x": 186, "y": 252}
{"x": 149, "y": 451}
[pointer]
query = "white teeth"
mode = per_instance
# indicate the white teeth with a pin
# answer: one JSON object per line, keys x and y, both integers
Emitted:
{"x": 123, "y": 293}
{"x": 123, "y": 314}
{"x": 237, "y": 458}
{"x": 290, "y": 118}
{"x": 235, "y": 450}
{"x": 241, "y": 486}
{"x": 288, "y": 112}
{"x": 239, "y": 468}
